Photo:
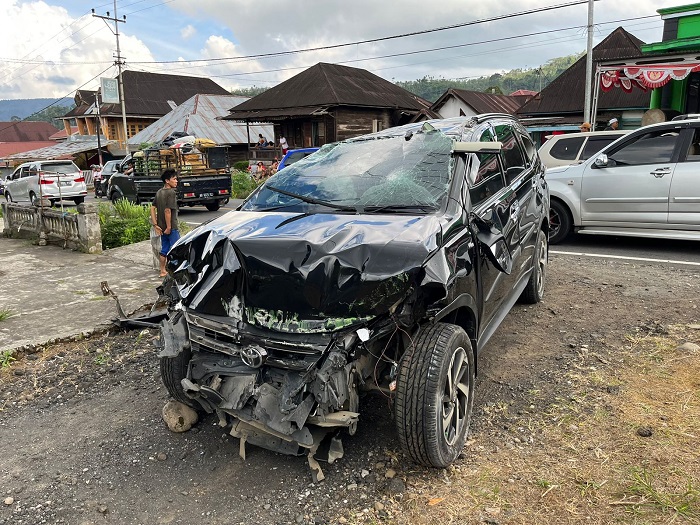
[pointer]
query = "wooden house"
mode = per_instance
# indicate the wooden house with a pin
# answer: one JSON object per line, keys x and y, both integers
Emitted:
{"x": 327, "y": 103}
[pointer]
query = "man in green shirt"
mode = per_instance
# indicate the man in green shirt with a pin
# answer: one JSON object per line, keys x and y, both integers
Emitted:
{"x": 164, "y": 215}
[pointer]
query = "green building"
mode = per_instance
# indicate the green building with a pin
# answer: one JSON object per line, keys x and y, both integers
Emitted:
{"x": 670, "y": 68}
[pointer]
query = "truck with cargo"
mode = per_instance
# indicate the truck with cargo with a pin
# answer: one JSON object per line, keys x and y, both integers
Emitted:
{"x": 203, "y": 170}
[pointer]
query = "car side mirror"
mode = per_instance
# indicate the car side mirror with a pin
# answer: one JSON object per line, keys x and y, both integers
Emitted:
{"x": 496, "y": 249}
{"x": 601, "y": 161}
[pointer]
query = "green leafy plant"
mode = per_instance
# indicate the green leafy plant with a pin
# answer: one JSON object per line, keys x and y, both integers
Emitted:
{"x": 123, "y": 223}
{"x": 242, "y": 184}
{"x": 6, "y": 359}
{"x": 5, "y": 313}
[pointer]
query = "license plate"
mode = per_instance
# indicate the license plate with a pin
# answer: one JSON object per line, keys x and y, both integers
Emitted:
{"x": 64, "y": 183}
{"x": 206, "y": 194}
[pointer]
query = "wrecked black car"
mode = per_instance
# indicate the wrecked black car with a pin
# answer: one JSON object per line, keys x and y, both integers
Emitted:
{"x": 384, "y": 262}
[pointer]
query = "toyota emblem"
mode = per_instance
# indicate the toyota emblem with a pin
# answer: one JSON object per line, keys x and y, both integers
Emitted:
{"x": 253, "y": 356}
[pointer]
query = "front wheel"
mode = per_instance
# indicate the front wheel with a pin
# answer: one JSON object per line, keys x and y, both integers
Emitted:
{"x": 8, "y": 197}
{"x": 560, "y": 222}
{"x": 534, "y": 291}
{"x": 172, "y": 371}
{"x": 435, "y": 395}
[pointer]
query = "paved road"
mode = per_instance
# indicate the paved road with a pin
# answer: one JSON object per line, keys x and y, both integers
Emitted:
{"x": 594, "y": 245}
{"x": 661, "y": 249}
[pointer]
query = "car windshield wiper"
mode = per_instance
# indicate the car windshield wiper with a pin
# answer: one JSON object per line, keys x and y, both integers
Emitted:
{"x": 401, "y": 207}
{"x": 312, "y": 200}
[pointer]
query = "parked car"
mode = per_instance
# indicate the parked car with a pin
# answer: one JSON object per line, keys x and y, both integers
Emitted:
{"x": 101, "y": 180}
{"x": 643, "y": 185}
{"x": 2, "y": 186}
{"x": 383, "y": 262}
{"x": 572, "y": 148}
{"x": 293, "y": 155}
{"x": 49, "y": 179}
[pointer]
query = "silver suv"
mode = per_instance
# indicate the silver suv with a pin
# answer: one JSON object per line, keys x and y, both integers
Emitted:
{"x": 572, "y": 148}
{"x": 48, "y": 179}
{"x": 646, "y": 184}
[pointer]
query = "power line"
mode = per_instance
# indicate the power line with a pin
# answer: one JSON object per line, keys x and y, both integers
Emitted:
{"x": 57, "y": 100}
{"x": 379, "y": 39}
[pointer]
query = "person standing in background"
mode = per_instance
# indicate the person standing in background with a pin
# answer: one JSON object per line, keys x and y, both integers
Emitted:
{"x": 164, "y": 215}
{"x": 584, "y": 127}
{"x": 284, "y": 145}
{"x": 613, "y": 124}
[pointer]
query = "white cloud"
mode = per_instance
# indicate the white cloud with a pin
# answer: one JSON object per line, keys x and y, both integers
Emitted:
{"x": 188, "y": 32}
{"x": 71, "y": 50}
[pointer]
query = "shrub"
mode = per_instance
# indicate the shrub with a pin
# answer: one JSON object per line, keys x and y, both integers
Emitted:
{"x": 242, "y": 184}
{"x": 125, "y": 223}
{"x": 241, "y": 165}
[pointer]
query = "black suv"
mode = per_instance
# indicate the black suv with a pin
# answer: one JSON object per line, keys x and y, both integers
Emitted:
{"x": 384, "y": 263}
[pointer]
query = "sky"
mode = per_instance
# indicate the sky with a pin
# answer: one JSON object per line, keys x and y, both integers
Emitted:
{"x": 51, "y": 48}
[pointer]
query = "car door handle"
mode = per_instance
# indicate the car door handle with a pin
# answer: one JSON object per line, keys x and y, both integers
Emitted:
{"x": 658, "y": 173}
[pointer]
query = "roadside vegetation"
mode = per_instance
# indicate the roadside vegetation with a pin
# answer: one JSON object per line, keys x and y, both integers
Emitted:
{"x": 5, "y": 313}
{"x": 125, "y": 223}
{"x": 618, "y": 444}
{"x": 242, "y": 184}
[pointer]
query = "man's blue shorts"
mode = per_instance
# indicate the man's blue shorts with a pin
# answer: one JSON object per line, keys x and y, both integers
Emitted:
{"x": 167, "y": 241}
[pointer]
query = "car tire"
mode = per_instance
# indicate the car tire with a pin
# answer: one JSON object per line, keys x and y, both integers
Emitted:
{"x": 213, "y": 206}
{"x": 534, "y": 291}
{"x": 560, "y": 222}
{"x": 32, "y": 198}
{"x": 115, "y": 196}
{"x": 79, "y": 200}
{"x": 432, "y": 409}
{"x": 8, "y": 197}
{"x": 172, "y": 371}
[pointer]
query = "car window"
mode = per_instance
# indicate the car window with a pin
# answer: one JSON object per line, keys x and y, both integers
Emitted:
{"x": 530, "y": 150}
{"x": 513, "y": 160}
{"x": 26, "y": 171}
{"x": 485, "y": 178}
{"x": 386, "y": 172}
{"x": 595, "y": 144}
{"x": 60, "y": 167}
{"x": 567, "y": 148}
{"x": 693, "y": 154}
{"x": 649, "y": 148}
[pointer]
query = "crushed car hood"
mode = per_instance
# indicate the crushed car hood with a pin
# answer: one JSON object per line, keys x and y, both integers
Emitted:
{"x": 316, "y": 266}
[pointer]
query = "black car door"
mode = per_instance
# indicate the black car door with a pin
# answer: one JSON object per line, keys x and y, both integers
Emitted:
{"x": 491, "y": 203}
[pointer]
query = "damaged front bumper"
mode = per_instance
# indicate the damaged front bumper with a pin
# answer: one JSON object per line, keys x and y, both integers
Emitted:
{"x": 289, "y": 393}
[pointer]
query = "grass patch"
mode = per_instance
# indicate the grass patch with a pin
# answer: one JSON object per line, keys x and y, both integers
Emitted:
{"x": 617, "y": 445}
{"x": 6, "y": 359}
{"x": 5, "y": 313}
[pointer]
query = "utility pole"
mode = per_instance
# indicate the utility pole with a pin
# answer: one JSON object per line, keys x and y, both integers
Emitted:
{"x": 589, "y": 68}
{"x": 97, "y": 130}
{"x": 119, "y": 62}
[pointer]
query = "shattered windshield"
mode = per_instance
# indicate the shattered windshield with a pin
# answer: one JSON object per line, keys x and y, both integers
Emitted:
{"x": 387, "y": 174}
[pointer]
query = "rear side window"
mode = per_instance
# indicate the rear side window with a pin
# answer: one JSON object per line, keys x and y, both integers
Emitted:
{"x": 595, "y": 144}
{"x": 567, "y": 148}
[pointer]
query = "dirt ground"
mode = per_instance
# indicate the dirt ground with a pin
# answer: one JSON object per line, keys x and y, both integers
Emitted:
{"x": 586, "y": 411}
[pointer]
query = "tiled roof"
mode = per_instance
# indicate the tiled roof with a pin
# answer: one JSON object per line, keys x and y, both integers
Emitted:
{"x": 481, "y": 102}
{"x": 10, "y": 148}
{"x": 566, "y": 93}
{"x": 331, "y": 85}
{"x": 148, "y": 95}
{"x": 25, "y": 131}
